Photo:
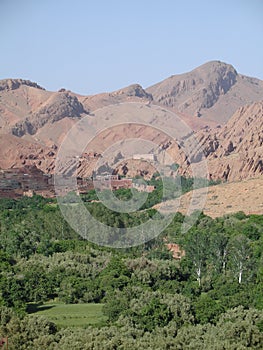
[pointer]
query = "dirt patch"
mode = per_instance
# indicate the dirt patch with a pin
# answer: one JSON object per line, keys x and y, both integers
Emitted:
{"x": 246, "y": 196}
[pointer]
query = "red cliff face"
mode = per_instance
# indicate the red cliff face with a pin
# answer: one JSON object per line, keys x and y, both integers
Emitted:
{"x": 235, "y": 151}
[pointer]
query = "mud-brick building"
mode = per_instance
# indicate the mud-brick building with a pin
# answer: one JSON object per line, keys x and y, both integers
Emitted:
{"x": 146, "y": 156}
{"x": 26, "y": 178}
{"x": 112, "y": 182}
{"x": 143, "y": 187}
{"x": 84, "y": 185}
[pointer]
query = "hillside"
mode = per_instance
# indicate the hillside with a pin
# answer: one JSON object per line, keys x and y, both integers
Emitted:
{"x": 17, "y": 152}
{"x": 234, "y": 152}
{"x": 224, "y": 199}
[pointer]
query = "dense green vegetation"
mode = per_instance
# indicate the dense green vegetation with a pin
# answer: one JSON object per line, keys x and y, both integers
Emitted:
{"x": 211, "y": 299}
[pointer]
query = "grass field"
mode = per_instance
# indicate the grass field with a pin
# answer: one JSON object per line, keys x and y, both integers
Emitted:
{"x": 70, "y": 315}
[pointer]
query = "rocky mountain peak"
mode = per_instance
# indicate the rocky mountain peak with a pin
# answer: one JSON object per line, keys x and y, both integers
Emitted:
{"x": 134, "y": 90}
{"x": 13, "y": 84}
{"x": 205, "y": 83}
{"x": 213, "y": 90}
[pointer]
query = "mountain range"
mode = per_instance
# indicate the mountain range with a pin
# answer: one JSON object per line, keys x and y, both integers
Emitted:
{"x": 223, "y": 108}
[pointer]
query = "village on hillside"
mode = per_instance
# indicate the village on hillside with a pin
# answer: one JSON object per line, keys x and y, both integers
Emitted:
{"x": 29, "y": 180}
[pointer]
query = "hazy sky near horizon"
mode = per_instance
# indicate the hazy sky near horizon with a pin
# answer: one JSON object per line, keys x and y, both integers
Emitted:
{"x": 95, "y": 46}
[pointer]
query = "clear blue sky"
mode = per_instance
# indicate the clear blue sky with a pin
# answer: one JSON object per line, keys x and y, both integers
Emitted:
{"x": 94, "y": 46}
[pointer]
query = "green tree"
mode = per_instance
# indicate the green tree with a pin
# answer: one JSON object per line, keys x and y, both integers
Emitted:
{"x": 240, "y": 256}
{"x": 207, "y": 309}
{"x": 196, "y": 245}
{"x": 219, "y": 251}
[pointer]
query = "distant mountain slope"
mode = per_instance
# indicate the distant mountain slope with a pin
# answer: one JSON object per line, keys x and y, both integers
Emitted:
{"x": 59, "y": 105}
{"x": 25, "y": 107}
{"x": 132, "y": 93}
{"x": 34, "y": 122}
{"x": 212, "y": 91}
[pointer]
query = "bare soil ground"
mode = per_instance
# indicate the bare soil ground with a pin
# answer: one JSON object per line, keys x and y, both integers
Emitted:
{"x": 226, "y": 198}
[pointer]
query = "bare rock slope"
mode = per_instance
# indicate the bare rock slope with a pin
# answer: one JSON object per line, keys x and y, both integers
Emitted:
{"x": 60, "y": 105}
{"x": 235, "y": 151}
{"x": 212, "y": 91}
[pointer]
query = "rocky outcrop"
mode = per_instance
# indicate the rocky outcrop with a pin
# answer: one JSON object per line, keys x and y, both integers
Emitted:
{"x": 59, "y": 106}
{"x": 234, "y": 152}
{"x": 13, "y": 84}
{"x": 244, "y": 131}
{"x": 18, "y": 153}
{"x": 133, "y": 90}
